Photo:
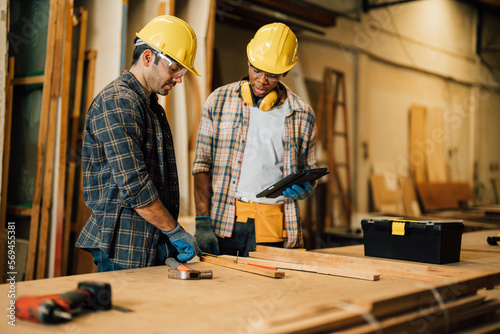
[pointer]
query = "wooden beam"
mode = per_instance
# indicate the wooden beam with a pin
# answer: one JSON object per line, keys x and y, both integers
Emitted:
{"x": 51, "y": 140}
{"x": 60, "y": 247}
{"x": 18, "y": 210}
{"x": 415, "y": 271}
{"x": 346, "y": 318}
{"x": 442, "y": 316}
{"x": 166, "y": 8}
{"x": 9, "y": 94}
{"x": 42, "y": 142}
{"x": 242, "y": 267}
{"x": 312, "y": 268}
{"x": 75, "y": 124}
{"x": 307, "y": 12}
{"x": 38, "y": 79}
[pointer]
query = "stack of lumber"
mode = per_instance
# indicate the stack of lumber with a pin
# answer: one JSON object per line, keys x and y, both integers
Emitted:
{"x": 447, "y": 302}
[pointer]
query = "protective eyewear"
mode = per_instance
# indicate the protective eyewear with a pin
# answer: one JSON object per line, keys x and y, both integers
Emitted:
{"x": 172, "y": 67}
{"x": 269, "y": 76}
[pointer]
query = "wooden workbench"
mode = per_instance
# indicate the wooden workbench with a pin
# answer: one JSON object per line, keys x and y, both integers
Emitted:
{"x": 231, "y": 302}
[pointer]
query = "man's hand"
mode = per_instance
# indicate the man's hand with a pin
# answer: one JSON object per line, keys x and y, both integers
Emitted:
{"x": 205, "y": 236}
{"x": 299, "y": 192}
{"x": 184, "y": 242}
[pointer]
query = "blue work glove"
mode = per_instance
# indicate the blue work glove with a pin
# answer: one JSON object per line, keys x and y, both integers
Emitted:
{"x": 205, "y": 236}
{"x": 184, "y": 242}
{"x": 299, "y": 192}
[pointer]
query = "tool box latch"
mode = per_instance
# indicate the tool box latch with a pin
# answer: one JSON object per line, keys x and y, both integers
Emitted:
{"x": 398, "y": 228}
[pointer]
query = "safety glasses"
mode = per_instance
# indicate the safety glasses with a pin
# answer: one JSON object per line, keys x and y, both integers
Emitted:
{"x": 269, "y": 76}
{"x": 172, "y": 67}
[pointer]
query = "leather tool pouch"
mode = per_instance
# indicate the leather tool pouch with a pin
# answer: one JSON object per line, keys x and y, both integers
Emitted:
{"x": 268, "y": 220}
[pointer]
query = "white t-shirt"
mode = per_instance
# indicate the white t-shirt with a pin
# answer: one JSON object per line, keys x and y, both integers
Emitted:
{"x": 264, "y": 152}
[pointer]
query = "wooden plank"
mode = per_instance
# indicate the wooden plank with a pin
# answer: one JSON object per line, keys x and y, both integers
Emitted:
{"x": 369, "y": 276}
{"x": 343, "y": 318}
{"x": 353, "y": 268}
{"x": 60, "y": 246}
{"x": 417, "y": 139}
{"x": 384, "y": 267}
{"x": 242, "y": 267}
{"x": 42, "y": 143}
{"x": 410, "y": 201}
{"x": 51, "y": 140}
{"x": 435, "y": 149}
{"x": 439, "y": 196}
{"x": 440, "y": 314}
{"x": 82, "y": 260}
{"x": 166, "y": 8}
{"x": 443, "y": 290}
{"x": 300, "y": 10}
{"x": 38, "y": 79}
{"x": 75, "y": 123}
{"x": 17, "y": 210}
{"x": 9, "y": 94}
{"x": 385, "y": 199}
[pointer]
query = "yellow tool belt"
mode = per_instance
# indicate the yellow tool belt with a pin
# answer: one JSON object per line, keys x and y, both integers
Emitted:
{"x": 269, "y": 222}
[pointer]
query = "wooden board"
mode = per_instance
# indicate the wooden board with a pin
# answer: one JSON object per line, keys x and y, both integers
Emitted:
{"x": 63, "y": 142}
{"x": 48, "y": 173}
{"x": 243, "y": 267}
{"x": 42, "y": 143}
{"x": 318, "y": 269}
{"x": 9, "y": 93}
{"x": 434, "y": 147}
{"x": 403, "y": 269}
{"x": 385, "y": 199}
{"x": 417, "y": 154}
{"x": 439, "y": 196}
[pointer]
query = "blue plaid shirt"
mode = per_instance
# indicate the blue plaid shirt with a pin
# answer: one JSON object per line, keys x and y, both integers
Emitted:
{"x": 128, "y": 161}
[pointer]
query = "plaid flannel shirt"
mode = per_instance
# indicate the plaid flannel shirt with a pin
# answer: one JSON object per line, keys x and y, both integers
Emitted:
{"x": 220, "y": 145}
{"x": 128, "y": 161}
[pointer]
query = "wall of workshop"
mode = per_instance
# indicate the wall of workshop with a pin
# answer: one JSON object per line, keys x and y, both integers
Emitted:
{"x": 415, "y": 53}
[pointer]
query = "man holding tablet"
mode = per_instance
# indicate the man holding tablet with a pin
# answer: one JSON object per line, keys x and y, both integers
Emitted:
{"x": 253, "y": 133}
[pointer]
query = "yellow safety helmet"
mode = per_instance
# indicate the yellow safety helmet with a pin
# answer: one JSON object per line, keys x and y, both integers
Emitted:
{"x": 273, "y": 49}
{"x": 173, "y": 37}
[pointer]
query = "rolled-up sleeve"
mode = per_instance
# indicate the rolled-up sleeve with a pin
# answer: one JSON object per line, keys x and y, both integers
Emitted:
{"x": 203, "y": 155}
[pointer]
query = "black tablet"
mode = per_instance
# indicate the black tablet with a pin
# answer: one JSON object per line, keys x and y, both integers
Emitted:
{"x": 299, "y": 177}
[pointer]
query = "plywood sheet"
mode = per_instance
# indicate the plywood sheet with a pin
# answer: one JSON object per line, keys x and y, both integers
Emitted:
{"x": 438, "y": 196}
{"x": 417, "y": 138}
{"x": 434, "y": 147}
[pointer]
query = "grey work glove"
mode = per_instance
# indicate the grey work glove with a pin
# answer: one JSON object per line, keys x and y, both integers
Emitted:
{"x": 184, "y": 242}
{"x": 205, "y": 236}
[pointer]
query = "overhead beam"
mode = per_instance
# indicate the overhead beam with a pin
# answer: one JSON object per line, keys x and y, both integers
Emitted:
{"x": 246, "y": 15}
{"x": 304, "y": 11}
{"x": 369, "y": 5}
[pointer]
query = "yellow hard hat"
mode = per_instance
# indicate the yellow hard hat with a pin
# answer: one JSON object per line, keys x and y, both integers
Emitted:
{"x": 173, "y": 37}
{"x": 273, "y": 49}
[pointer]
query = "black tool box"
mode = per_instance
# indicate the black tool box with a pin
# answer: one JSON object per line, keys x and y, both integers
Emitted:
{"x": 430, "y": 241}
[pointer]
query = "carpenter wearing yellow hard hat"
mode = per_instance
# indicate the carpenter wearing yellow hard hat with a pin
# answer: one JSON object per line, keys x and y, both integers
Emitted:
{"x": 129, "y": 170}
{"x": 253, "y": 132}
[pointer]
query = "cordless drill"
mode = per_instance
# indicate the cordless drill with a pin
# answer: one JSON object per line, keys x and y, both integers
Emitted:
{"x": 57, "y": 308}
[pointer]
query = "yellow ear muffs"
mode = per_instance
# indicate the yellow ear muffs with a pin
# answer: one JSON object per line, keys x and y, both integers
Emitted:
{"x": 245, "y": 92}
{"x": 265, "y": 103}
